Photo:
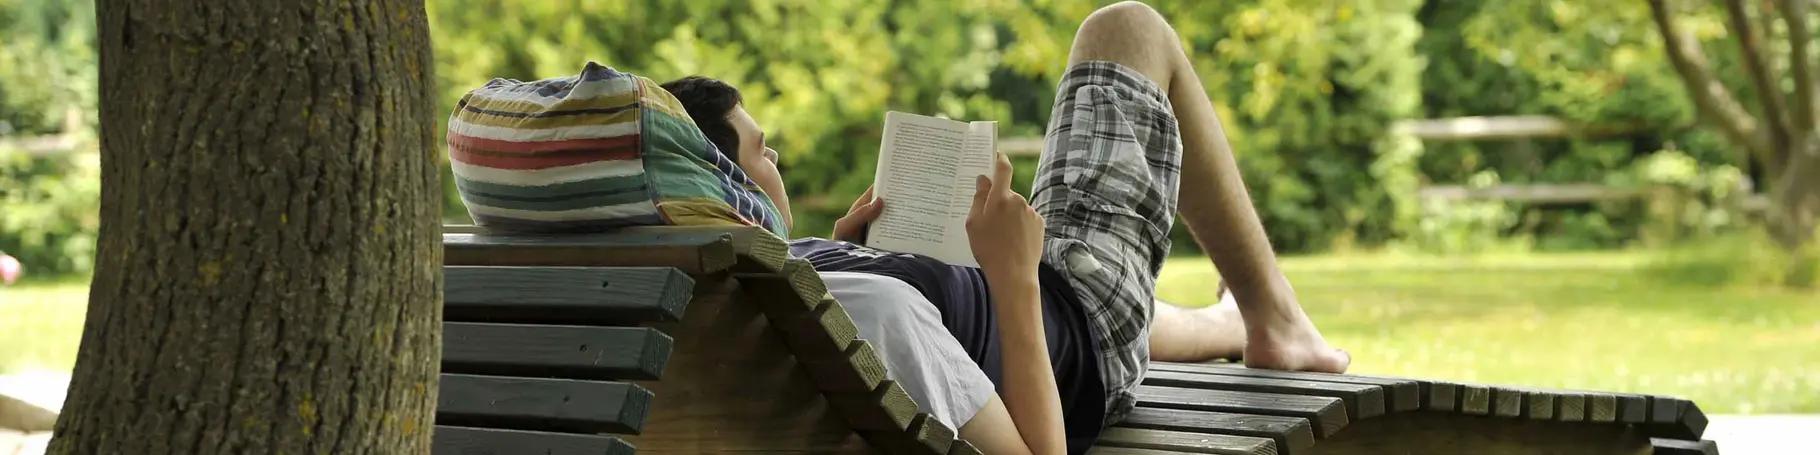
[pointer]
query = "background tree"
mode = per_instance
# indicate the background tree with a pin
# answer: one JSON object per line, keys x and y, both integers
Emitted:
{"x": 267, "y": 276}
{"x": 1776, "y": 133}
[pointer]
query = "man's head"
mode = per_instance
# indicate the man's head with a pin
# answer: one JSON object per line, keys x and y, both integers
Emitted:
{"x": 719, "y": 111}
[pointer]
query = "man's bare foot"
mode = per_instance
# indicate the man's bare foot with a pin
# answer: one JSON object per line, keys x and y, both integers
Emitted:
{"x": 1290, "y": 342}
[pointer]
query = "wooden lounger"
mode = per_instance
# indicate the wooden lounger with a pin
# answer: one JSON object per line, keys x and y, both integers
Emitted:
{"x": 692, "y": 340}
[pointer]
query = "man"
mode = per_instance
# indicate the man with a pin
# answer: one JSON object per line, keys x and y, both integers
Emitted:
{"x": 1130, "y": 124}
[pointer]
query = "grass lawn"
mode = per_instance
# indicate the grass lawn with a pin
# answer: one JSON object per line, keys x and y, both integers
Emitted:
{"x": 1571, "y": 321}
{"x": 41, "y": 324}
{"x": 1576, "y": 321}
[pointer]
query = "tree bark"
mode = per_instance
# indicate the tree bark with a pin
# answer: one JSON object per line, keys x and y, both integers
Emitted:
{"x": 267, "y": 278}
{"x": 1795, "y": 196}
{"x": 1769, "y": 88}
{"x": 1711, "y": 98}
{"x": 1794, "y": 16}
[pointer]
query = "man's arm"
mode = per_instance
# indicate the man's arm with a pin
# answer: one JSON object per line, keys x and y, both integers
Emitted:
{"x": 1031, "y": 395}
{"x": 1007, "y": 238}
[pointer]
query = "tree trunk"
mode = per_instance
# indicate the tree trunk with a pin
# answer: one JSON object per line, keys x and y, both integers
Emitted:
{"x": 1795, "y": 199}
{"x": 268, "y": 273}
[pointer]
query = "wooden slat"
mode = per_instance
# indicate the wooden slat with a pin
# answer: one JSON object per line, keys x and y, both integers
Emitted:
{"x": 1693, "y": 420}
{"x": 889, "y": 408}
{"x": 1676, "y": 418}
{"x": 1327, "y": 414}
{"x": 732, "y": 385}
{"x": 961, "y": 447}
{"x": 1633, "y": 408}
{"x": 569, "y": 295}
{"x": 1291, "y": 434}
{"x": 1507, "y": 127}
{"x": 1548, "y": 404}
{"x": 822, "y": 335}
{"x": 1176, "y": 441}
{"x": 554, "y": 351}
{"x": 930, "y": 435}
{"x": 694, "y": 251}
{"x": 1443, "y": 433}
{"x": 1506, "y": 402}
{"x": 1538, "y": 405}
{"x": 860, "y": 371}
{"x": 1021, "y": 146}
{"x": 1570, "y": 407}
{"x": 1664, "y": 410}
{"x": 452, "y": 440}
{"x": 1110, "y": 450}
{"x": 542, "y": 404}
{"x": 758, "y": 249}
{"x": 18, "y": 415}
{"x": 1362, "y": 401}
{"x": 1679, "y": 447}
{"x": 1601, "y": 407}
{"x": 1403, "y": 394}
{"x": 793, "y": 288}
{"x": 1475, "y": 399}
{"x": 1440, "y": 396}
{"x": 1564, "y": 193}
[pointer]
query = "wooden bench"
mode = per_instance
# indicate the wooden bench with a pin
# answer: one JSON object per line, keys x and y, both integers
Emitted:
{"x": 692, "y": 340}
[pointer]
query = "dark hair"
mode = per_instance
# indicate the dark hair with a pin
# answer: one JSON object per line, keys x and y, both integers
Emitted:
{"x": 708, "y": 102}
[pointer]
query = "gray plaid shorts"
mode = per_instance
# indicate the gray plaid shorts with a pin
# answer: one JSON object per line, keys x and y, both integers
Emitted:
{"x": 1107, "y": 186}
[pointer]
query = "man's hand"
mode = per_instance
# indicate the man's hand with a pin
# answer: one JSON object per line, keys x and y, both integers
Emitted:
{"x": 1006, "y": 234}
{"x": 852, "y": 228}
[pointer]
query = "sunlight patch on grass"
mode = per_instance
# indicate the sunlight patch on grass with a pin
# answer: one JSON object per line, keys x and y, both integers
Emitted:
{"x": 41, "y": 325}
{"x": 1571, "y": 321}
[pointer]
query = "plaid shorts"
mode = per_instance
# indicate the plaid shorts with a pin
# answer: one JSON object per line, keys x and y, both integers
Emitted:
{"x": 1106, "y": 185}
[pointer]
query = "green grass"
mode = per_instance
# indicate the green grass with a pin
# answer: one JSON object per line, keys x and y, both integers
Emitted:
{"x": 1589, "y": 321}
{"x": 41, "y": 325}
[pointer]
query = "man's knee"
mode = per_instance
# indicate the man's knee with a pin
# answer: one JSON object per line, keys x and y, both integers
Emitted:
{"x": 1133, "y": 34}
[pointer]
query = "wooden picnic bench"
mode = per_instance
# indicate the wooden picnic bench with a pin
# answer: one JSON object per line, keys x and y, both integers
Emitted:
{"x": 693, "y": 340}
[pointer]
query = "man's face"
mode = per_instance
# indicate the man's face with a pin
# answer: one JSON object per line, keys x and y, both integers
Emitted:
{"x": 759, "y": 161}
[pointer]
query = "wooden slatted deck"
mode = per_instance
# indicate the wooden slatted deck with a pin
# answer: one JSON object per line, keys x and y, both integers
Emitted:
{"x": 674, "y": 340}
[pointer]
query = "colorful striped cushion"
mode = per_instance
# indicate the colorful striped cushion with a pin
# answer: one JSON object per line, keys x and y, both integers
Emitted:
{"x": 596, "y": 151}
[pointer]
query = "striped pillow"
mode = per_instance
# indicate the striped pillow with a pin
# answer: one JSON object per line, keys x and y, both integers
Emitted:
{"x": 592, "y": 152}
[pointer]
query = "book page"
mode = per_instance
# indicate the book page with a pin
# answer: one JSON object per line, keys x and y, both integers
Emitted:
{"x": 976, "y": 159}
{"x": 920, "y": 175}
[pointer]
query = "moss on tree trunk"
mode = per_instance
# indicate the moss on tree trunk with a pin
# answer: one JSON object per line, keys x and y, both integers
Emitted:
{"x": 268, "y": 272}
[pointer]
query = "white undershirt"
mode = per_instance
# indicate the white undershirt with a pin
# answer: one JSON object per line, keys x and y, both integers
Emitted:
{"x": 919, "y": 353}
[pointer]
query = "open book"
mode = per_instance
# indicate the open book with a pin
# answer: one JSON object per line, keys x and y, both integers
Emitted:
{"x": 926, "y": 172}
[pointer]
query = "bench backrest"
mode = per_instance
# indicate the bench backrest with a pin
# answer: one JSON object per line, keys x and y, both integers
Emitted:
{"x": 541, "y": 359}
{"x": 663, "y": 339}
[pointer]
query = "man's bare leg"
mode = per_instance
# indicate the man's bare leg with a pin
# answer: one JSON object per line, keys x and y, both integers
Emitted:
{"x": 1215, "y": 204}
{"x": 1197, "y": 334}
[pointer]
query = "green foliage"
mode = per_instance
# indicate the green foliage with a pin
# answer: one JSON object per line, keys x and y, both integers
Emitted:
{"x": 1306, "y": 89}
{"x": 48, "y": 64}
{"x": 48, "y": 205}
{"x": 48, "y": 216}
{"x": 1463, "y": 226}
{"x": 1588, "y": 64}
{"x": 818, "y": 75}
{"x": 1738, "y": 259}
